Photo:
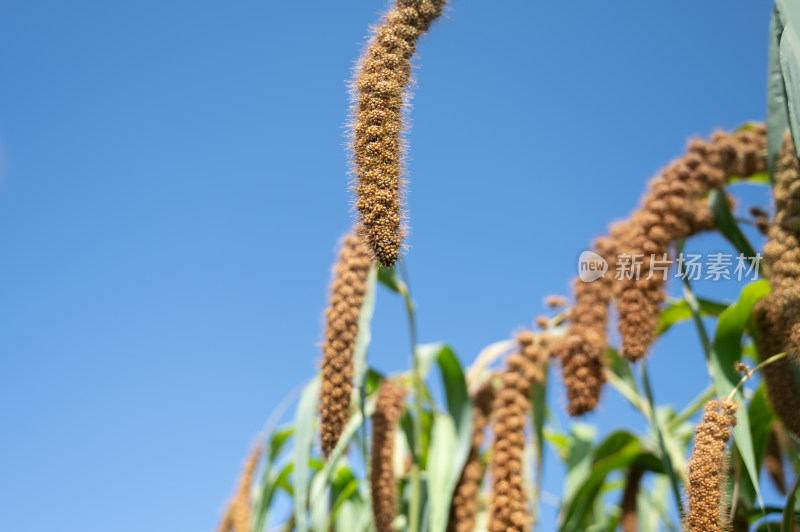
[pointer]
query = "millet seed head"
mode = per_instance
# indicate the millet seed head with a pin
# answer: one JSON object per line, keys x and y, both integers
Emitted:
{"x": 377, "y": 144}
{"x": 464, "y": 508}
{"x": 347, "y": 295}
{"x": 675, "y": 208}
{"x": 388, "y": 412}
{"x": 707, "y": 470}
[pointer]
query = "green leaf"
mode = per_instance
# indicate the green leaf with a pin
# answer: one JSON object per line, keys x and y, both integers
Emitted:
{"x": 666, "y": 445}
{"x": 388, "y": 277}
{"x": 777, "y": 117}
{"x": 725, "y": 222}
{"x": 789, "y": 49}
{"x": 319, "y": 496}
{"x": 618, "y": 451}
{"x": 761, "y": 419}
{"x": 277, "y": 441}
{"x": 272, "y": 480}
{"x": 578, "y": 455}
{"x": 679, "y": 310}
{"x": 266, "y": 491}
{"x": 759, "y": 178}
{"x": 789, "y": 509}
{"x": 458, "y": 404}
{"x": 538, "y": 414}
{"x": 304, "y": 438}
{"x": 725, "y": 351}
{"x": 442, "y": 475}
{"x": 621, "y": 378}
{"x": 364, "y": 332}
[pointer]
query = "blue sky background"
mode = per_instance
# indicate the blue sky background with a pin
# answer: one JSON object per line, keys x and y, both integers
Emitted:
{"x": 174, "y": 183}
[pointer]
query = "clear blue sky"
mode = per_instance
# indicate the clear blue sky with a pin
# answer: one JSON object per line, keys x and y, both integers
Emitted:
{"x": 174, "y": 182}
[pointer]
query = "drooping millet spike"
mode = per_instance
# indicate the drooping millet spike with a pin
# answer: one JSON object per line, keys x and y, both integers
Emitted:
{"x": 778, "y": 314}
{"x": 707, "y": 469}
{"x": 672, "y": 209}
{"x": 384, "y": 74}
{"x": 782, "y": 250}
{"x": 582, "y": 351}
{"x": 464, "y": 508}
{"x": 347, "y": 294}
{"x": 509, "y": 510}
{"x": 782, "y": 388}
{"x": 238, "y": 515}
{"x": 388, "y": 411}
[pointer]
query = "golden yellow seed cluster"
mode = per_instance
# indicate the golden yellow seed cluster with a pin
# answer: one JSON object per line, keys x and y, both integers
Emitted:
{"x": 707, "y": 468}
{"x": 237, "y": 517}
{"x": 674, "y": 208}
{"x": 377, "y": 143}
{"x": 509, "y": 503}
{"x": 387, "y": 414}
{"x": 347, "y": 295}
{"x": 629, "y": 512}
{"x": 464, "y": 508}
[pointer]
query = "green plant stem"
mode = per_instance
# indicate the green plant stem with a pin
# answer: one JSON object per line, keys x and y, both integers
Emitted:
{"x": 691, "y": 409}
{"x": 676, "y": 490}
{"x": 416, "y": 482}
{"x": 752, "y": 372}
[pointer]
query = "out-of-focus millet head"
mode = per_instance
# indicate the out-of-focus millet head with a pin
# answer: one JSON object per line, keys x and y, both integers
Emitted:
{"x": 707, "y": 469}
{"x": 383, "y": 485}
{"x": 782, "y": 251}
{"x": 674, "y": 208}
{"x": 509, "y": 502}
{"x": 377, "y": 144}
{"x": 464, "y": 509}
{"x": 238, "y": 515}
{"x": 347, "y": 295}
{"x": 583, "y": 349}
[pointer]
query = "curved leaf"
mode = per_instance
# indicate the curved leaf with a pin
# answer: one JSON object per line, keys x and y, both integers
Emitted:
{"x": 304, "y": 438}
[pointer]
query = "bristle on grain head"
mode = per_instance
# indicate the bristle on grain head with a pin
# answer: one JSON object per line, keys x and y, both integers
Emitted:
{"x": 377, "y": 143}
{"x": 464, "y": 508}
{"x": 347, "y": 295}
{"x": 509, "y": 510}
{"x": 707, "y": 471}
{"x": 388, "y": 412}
{"x": 674, "y": 208}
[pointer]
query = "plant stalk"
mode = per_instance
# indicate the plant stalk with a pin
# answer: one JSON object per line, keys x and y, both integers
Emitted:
{"x": 416, "y": 481}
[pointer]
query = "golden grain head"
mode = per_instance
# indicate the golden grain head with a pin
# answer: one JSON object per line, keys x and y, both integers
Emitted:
{"x": 347, "y": 295}
{"x": 388, "y": 411}
{"x": 707, "y": 472}
{"x": 377, "y": 144}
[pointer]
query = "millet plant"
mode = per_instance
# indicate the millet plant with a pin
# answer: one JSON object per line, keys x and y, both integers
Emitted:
{"x": 368, "y": 451}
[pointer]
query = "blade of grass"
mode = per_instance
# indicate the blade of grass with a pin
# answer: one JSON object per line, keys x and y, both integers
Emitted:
{"x": 656, "y": 427}
{"x": 304, "y": 437}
